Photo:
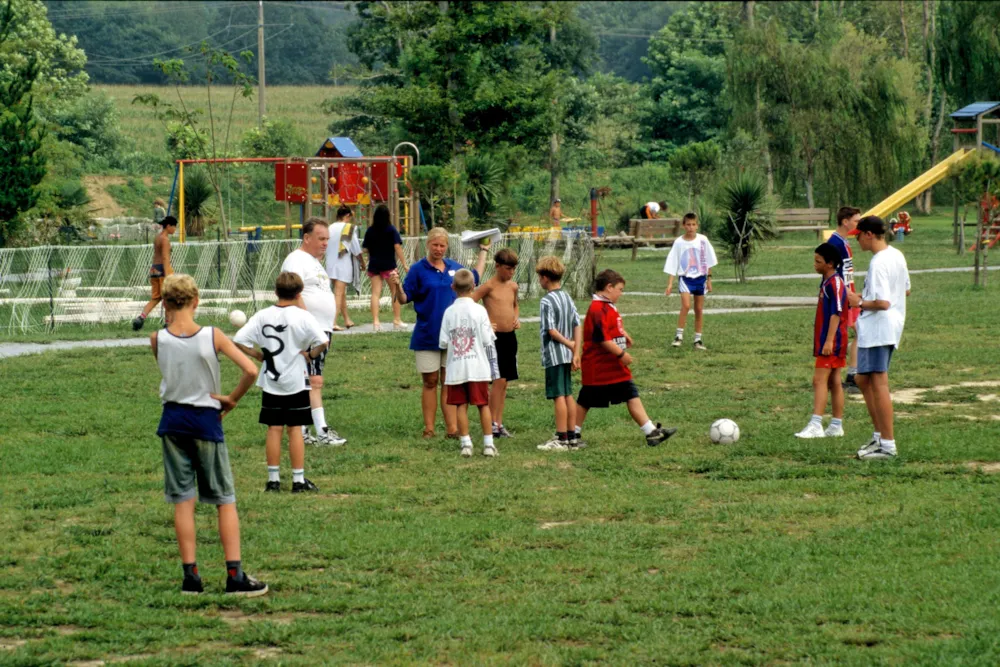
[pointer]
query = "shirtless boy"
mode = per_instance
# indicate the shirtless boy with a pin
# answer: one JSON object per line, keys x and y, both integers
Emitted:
{"x": 161, "y": 268}
{"x": 499, "y": 296}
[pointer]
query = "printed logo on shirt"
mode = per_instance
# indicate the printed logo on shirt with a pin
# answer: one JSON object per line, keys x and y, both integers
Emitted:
{"x": 451, "y": 273}
{"x": 462, "y": 341}
{"x": 269, "y": 355}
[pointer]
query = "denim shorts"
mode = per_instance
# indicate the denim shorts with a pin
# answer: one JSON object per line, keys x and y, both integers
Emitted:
{"x": 874, "y": 359}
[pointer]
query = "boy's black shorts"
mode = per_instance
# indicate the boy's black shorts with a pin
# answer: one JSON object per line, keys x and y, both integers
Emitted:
{"x": 603, "y": 395}
{"x": 506, "y": 345}
{"x": 290, "y": 410}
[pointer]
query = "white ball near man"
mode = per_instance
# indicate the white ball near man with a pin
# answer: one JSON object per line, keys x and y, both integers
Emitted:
{"x": 237, "y": 318}
{"x": 724, "y": 432}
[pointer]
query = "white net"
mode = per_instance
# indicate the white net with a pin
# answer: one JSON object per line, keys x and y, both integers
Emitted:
{"x": 45, "y": 287}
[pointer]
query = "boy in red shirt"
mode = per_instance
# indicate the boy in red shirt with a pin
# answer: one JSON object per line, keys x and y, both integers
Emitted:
{"x": 605, "y": 360}
{"x": 829, "y": 344}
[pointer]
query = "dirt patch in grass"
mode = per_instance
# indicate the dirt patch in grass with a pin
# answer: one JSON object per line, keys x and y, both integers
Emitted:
{"x": 555, "y": 524}
{"x": 103, "y": 204}
{"x": 12, "y": 644}
{"x": 268, "y": 652}
{"x": 915, "y": 395}
{"x": 990, "y": 468}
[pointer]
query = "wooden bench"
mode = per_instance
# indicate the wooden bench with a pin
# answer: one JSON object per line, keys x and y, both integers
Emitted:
{"x": 802, "y": 220}
{"x": 655, "y": 232}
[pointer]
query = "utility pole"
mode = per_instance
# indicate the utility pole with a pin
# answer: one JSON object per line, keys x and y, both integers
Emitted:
{"x": 261, "y": 104}
{"x": 554, "y": 138}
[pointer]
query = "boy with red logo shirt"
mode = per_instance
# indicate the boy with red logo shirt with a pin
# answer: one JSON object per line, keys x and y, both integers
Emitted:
{"x": 605, "y": 360}
{"x": 829, "y": 344}
{"x": 847, "y": 221}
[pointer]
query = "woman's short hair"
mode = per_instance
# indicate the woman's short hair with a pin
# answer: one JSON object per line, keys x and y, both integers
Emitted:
{"x": 179, "y": 291}
{"x": 437, "y": 233}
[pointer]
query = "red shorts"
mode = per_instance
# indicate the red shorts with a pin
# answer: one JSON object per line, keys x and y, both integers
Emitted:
{"x": 831, "y": 362}
{"x": 383, "y": 274}
{"x": 852, "y": 316}
{"x": 476, "y": 393}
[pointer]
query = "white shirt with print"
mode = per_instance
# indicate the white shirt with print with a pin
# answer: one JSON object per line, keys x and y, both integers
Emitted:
{"x": 690, "y": 258}
{"x": 468, "y": 336}
{"x": 888, "y": 279}
{"x": 317, "y": 294}
{"x": 282, "y": 333}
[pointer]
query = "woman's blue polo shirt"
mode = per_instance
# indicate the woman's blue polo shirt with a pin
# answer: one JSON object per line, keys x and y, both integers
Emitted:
{"x": 430, "y": 292}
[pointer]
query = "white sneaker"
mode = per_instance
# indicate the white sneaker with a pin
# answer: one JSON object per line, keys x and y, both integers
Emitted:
{"x": 309, "y": 439}
{"x": 490, "y": 451}
{"x": 834, "y": 431}
{"x": 331, "y": 438}
{"x": 678, "y": 341}
{"x": 553, "y": 445}
{"x": 880, "y": 453}
{"x": 872, "y": 445}
{"x": 812, "y": 430}
{"x": 467, "y": 451}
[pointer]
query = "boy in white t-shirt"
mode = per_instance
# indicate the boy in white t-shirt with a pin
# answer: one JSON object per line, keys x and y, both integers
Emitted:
{"x": 880, "y": 327}
{"x": 286, "y": 336}
{"x": 467, "y": 335}
{"x": 691, "y": 258}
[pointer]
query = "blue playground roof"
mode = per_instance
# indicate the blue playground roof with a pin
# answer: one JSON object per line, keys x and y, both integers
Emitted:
{"x": 342, "y": 145}
{"x": 975, "y": 110}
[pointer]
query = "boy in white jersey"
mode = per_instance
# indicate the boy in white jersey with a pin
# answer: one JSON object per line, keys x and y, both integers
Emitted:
{"x": 467, "y": 335}
{"x": 287, "y": 336}
{"x": 691, "y": 258}
{"x": 195, "y": 458}
{"x": 319, "y": 301}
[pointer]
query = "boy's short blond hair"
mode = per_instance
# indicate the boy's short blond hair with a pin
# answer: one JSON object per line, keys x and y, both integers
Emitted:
{"x": 464, "y": 282}
{"x": 551, "y": 267}
{"x": 179, "y": 291}
{"x": 288, "y": 286}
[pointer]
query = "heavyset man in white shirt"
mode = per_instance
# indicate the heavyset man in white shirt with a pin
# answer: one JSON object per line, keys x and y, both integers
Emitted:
{"x": 318, "y": 298}
{"x": 880, "y": 327}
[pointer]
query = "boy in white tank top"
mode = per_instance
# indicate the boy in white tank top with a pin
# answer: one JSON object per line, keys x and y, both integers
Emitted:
{"x": 195, "y": 458}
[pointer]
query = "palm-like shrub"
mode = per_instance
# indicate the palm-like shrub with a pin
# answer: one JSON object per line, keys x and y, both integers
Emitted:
{"x": 198, "y": 194}
{"x": 745, "y": 223}
{"x": 484, "y": 185}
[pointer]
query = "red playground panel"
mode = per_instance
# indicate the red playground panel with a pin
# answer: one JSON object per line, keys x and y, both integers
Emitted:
{"x": 380, "y": 180}
{"x": 349, "y": 184}
{"x": 290, "y": 182}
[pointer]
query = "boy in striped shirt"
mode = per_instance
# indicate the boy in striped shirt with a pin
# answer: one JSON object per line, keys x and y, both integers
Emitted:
{"x": 829, "y": 344}
{"x": 562, "y": 345}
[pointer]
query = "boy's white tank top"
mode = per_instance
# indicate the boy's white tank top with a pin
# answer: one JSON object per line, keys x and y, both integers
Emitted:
{"x": 190, "y": 368}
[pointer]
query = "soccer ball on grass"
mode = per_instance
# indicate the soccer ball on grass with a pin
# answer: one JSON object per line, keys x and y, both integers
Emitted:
{"x": 724, "y": 432}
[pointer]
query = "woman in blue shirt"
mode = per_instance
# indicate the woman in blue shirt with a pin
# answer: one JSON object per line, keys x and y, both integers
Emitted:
{"x": 428, "y": 287}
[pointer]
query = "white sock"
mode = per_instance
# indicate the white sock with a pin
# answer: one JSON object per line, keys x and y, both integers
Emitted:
{"x": 679, "y": 334}
{"x": 816, "y": 419}
{"x": 888, "y": 445}
{"x": 697, "y": 336}
{"x": 273, "y": 473}
{"x": 298, "y": 475}
{"x": 876, "y": 436}
{"x": 648, "y": 427}
{"x": 852, "y": 370}
{"x": 836, "y": 422}
{"x": 465, "y": 441}
{"x": 577, "y": 429}
{"x": 319, "y": 420}
{"x": 487, "y": 441}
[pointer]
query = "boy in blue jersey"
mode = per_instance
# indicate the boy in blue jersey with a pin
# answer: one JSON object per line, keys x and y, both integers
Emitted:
{"x": 829, "y": 345}
{"x": 847, "y": 221}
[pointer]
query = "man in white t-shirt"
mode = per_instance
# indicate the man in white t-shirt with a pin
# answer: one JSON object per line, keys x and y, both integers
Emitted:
{"x": 880, "y": 327}
{"x": 286, "y": 336}
{"x": 318, "y": 299}
{"x": 344, "y": 262}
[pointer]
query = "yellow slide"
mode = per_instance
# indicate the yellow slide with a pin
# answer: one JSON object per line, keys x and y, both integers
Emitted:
{"x": 922, "y": 182}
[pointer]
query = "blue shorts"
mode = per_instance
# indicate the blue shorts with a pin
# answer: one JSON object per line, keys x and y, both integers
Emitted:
{"x": 693, "y": 286}
{"x": 874, "y": 359}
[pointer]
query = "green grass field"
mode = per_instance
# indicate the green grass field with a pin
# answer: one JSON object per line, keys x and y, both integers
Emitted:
{"x": 769, "y": 551}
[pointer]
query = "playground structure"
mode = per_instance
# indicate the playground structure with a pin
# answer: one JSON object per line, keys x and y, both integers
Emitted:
{"x": 337, "y": 175}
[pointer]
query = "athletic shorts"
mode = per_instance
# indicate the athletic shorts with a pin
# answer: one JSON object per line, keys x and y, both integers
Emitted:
{"x": 830, "y": 361}
{"x": 383, "y": 274}
{"x": 506, "y": 344}
{"x": 558, "y": 381}
{"x": 201, "y": 467}
{"x": 692, "y": 286}
{"x": 468, "y": 393}
{"x": 288, "y": 410}
{"x": 431, "y": 361}
{"x": 156, "y": 285}
{"x": 603, "y": 395}
{"x": 316, "y": 365}
{"x": 874, "y": 359}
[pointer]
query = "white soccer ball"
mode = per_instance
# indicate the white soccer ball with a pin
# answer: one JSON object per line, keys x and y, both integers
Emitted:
{"x": 724, "y": 432}
{"x": 237, "y": 318}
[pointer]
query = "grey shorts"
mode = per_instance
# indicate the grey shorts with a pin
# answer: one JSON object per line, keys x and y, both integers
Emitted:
{"x": 874, "y": 359}
{"x": 193, "y": 466}
{"x": 316, "y": 365}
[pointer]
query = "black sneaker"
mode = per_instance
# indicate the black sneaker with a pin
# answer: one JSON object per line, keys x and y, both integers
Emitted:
{"x": 247, "y": 587}
{"x": 192, "y": 586}
{"x": 273, "y": 486}
{"x": 659, "y": 435}
{"x": 137, "y": 323}
{"x": 305, "y": 485}
{"x": 850, "y": 386}
{"x": 575, "y": 442}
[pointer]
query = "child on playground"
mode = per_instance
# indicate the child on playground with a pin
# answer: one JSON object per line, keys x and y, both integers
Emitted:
{"x": 605, "y": 360}
{"x": 691, "y": 258}
{"x": 160, "y": 269}
{"x": 467, "y": 335}
{"x": 562, "y": 336}
{"x": 829, "y": 344}
{"x": 195, "y": 458}
{"x": 287, "y": 336}
{"x": 847, "y": 222}
{"x": 499, "y": 297}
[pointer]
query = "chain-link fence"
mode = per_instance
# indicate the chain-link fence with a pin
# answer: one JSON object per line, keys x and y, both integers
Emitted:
{"x": 44, "y": 287}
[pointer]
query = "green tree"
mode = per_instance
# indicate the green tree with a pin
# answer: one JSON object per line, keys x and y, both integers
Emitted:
{"x": 696, "y": 161}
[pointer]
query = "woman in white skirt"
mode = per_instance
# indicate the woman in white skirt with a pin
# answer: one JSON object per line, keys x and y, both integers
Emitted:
{"x": 344, "y": 262}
